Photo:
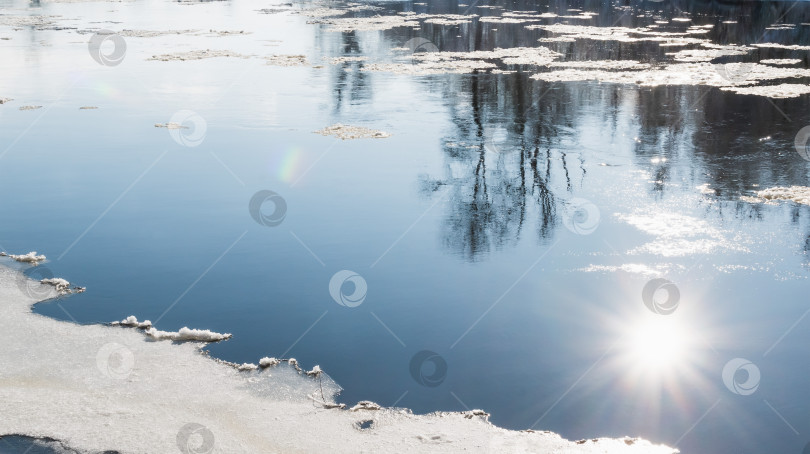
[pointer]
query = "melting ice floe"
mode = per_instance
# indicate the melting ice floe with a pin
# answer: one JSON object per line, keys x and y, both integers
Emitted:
{"x": 30, "y": 257}
{"x": 286, "y": 60}
{"x": 103, "y": 393}
{"x": 798, "y": 194}
{"x": 772, "y": 91}
{"x": 346, "y": 132}
{"x": 197, "y": 55}
{"x": 185, "y": 333}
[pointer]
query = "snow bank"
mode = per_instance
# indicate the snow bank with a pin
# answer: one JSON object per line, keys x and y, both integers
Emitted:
{"x": 113, "y": 391}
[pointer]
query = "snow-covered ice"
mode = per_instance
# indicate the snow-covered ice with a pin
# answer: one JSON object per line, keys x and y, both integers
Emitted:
{"x": 111, "y": 389}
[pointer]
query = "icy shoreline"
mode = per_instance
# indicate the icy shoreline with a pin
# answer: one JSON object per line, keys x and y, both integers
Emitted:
{"x": 96, "y": 388}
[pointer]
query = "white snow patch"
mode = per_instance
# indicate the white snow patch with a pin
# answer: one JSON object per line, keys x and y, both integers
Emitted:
{"x": 366, "y": 405}
{"x": 62, "y": 286}
{"x": 187, "y": 334}
{"x": 267, "y": 362}
{"x": 781, "y": 61}
{"x": 133, "y": 322}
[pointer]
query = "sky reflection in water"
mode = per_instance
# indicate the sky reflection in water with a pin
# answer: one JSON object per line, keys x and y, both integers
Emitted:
{"x": 508, "y": 225}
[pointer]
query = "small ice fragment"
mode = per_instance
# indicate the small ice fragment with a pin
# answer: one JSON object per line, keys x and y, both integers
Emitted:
{"x": 187, "y": 334}
{"x": 365, "y": 405}
{"x": 798, "y": 194}
{"x": 477, "y": 412}
{"x": 30, "y": 257}
{"x": 170, "y": 126}
{"x": 62, "y": 286}
{"x": 267, "y": 362}
{"x": 315, "y": 371}
{"x": 133, "y": 321}
{"x": 286, "y": 60}
{"x": 345, "y": 132}
{"x": 247, "y": 367}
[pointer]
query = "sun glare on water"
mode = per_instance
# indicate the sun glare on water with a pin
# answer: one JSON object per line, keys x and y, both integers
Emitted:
{"x": 657, "y": 343}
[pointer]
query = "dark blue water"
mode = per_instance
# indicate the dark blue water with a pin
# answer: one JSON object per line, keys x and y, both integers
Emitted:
{"x": 479, "y": 257}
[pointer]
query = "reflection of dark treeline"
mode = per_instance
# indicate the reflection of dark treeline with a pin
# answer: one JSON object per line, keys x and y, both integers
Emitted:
{"x": 513, "y": 153}
{"x": 753, "y": 19}
{"x": 504, "y": 165}
{"x": 687, "y": 136}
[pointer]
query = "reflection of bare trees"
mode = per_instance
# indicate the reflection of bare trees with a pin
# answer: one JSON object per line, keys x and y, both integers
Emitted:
{"x": 514, "y": 151}
{"x": 350, "y": 84}
{"x": 498, "y": 186}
